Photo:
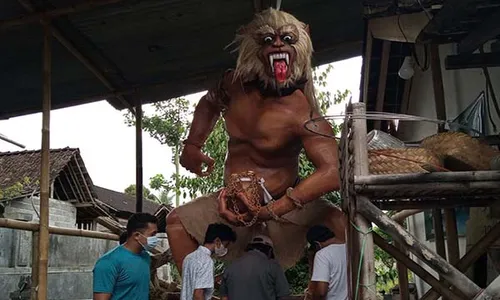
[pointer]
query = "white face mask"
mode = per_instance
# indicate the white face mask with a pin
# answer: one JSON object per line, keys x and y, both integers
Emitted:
{"x": 220, "y": 251}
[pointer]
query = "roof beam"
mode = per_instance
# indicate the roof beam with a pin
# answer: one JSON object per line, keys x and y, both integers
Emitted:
{"x": 36, "y": 16}
{"x": 82, "y": 58}
{"x": 472, "y": 61}
{"x": 488, "y": 29}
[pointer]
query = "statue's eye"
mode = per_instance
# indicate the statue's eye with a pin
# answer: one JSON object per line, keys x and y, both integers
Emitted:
{"x": 287, "y": 39}
{"x": 268, "y": 39}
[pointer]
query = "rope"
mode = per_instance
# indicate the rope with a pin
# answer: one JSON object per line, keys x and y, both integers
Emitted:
{"x": 384, "y": 116}
{"x": 361, "y": 256}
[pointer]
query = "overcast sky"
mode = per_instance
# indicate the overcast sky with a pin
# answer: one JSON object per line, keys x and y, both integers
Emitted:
{"x": 107, "y": 145}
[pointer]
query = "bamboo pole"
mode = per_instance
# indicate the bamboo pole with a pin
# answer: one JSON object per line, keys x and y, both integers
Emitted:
{"x": 138, "y": 156}
{"x": 34, "y": 265}
{"x": 453, "y": 177}
{"x": 43, "y": 238}
{"x": 366, "y": 278}
{"x": 20, "y": 225}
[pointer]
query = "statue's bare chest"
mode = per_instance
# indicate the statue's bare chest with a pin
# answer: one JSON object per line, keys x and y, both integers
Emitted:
{"x": 265, "y": 123}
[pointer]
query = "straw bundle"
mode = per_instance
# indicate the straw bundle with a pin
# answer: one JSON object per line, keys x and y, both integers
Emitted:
{"x": 460, "y": 152}
{"x": 401, "y": 161}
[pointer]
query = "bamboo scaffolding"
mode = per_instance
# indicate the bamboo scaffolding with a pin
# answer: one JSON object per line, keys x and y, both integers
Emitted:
{"x": 470, "y": 257}
{"x": 416, "y": 268}
{"x": 20, "y": 225}
{"x": 43, "y": 237}
{"x": 447, "y": 271}
{"x": 364, "y": 237}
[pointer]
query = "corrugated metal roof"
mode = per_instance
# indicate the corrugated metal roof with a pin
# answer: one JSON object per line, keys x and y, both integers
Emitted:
{"x": 165, "y": 48}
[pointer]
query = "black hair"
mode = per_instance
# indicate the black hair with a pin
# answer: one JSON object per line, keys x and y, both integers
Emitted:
{"x": 319, "y": 233}
{"x": 140, "y": 221}
{"x": 221, "y": 231}
{"x": 266, "y": 249}
{"x": 123, "y": 237}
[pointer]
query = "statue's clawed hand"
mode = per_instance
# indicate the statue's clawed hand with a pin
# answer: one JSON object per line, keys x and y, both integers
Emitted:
{"x": 230, "y": 216}
{"x": 193, "y": 159}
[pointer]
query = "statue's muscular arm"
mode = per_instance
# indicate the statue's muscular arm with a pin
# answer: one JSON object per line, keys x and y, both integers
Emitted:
{"x": 206, "y": 114}
{"x": 322, "y": 151}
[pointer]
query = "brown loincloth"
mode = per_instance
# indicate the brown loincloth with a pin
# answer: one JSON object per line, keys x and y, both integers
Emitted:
{"x": 289, "y": 238}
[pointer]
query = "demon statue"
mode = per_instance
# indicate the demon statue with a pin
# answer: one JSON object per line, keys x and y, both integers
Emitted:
{"x": 264, "y": 102}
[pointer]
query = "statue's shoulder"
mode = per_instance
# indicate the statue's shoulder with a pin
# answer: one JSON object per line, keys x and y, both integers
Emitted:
{"x": 219, "y": 94}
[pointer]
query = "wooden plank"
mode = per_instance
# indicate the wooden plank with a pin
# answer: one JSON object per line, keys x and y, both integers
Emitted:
{"x": 54, "y": 13}
{"x": 413, "y": 266}
{"x": 382, "y": 80}
{"x": 78, "y": 54}
{"x": 490, "y": 292}
{"x": 472, "y": 61}
{"x": 398, "y": 233}
{"x": 402, "y": 28}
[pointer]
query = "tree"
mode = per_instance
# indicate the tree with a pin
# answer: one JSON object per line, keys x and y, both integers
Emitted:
{"x": 169, "y": 125}
{"x": 146, "y": 193}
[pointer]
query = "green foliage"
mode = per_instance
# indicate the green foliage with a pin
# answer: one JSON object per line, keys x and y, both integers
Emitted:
{"x": 146, "y": 193}
{"x": 16, "y": 189}
{"x": 298, "y": 276}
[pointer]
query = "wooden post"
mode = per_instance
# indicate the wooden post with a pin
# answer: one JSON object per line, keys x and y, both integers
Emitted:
{"x": 138, "y": 156}
{"x": 437, "y": 82}
{"x": 382, "y": 81}
{"x": 404, "y": 293}
{"x": 34, "y": 265}
{"x": 43, "y": 239}
{"x": 365, "y": 285}
{"x": 452, "y": 236}
{"x": 399, "y": 234}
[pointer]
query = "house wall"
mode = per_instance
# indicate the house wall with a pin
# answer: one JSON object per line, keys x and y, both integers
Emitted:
{"x": 461, "y": 87}
{"x": 71, "y": 259}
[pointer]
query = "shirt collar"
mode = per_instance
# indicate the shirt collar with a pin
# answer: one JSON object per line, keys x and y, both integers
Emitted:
{"x": 205, "y": 250}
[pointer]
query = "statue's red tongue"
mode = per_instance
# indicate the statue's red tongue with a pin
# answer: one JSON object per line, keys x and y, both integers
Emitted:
{"x": 280, "y": 69}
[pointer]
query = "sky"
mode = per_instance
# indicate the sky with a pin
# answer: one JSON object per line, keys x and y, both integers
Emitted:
{"x": 107, "y": 144}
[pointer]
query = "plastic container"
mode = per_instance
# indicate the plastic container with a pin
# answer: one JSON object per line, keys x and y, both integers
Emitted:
{"x": 377, "y": 139}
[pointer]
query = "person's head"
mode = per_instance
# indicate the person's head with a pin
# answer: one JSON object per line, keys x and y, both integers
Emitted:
{"x": 263, "y": 244}
{"x": 141, "y": 231}
{"x": 218, "y": 237}
{"x": 318, "y": 235}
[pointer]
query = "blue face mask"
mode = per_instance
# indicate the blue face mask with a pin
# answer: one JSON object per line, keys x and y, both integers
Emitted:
{"x": 152, "y": 241}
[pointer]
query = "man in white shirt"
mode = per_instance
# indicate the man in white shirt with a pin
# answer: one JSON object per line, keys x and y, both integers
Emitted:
{"x": 329, "y": 274}
{"x": 198, "y": 266}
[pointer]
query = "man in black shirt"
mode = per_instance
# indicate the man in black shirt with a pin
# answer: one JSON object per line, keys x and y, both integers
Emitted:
{"x": 255, "y": 275}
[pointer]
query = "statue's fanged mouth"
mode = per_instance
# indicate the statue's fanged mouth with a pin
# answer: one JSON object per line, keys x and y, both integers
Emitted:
{"x": 279, "y": 65}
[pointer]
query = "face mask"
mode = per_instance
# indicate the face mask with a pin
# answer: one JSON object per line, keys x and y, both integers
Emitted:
{"x": 220, "y": 251}
{"x": 152, "y": 241}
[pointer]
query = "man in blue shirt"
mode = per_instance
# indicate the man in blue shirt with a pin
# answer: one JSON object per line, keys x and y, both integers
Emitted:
{"x": 124, "y": 272}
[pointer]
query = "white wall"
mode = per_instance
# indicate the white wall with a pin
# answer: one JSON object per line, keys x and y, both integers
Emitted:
{"x": 461, "y": 88}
